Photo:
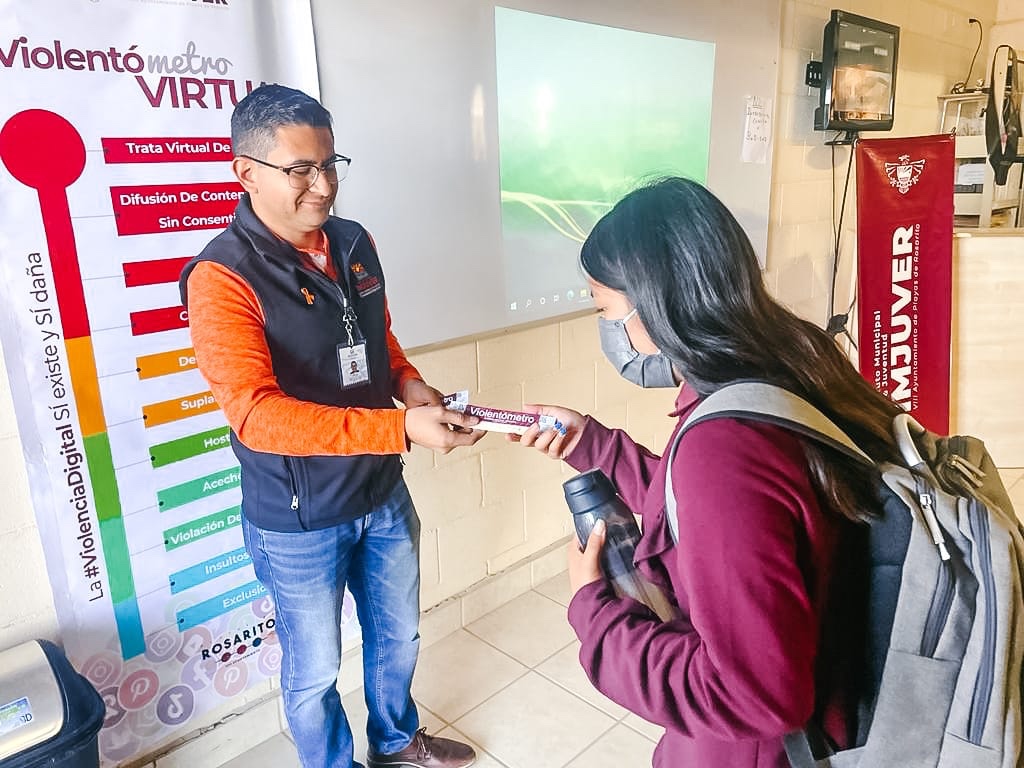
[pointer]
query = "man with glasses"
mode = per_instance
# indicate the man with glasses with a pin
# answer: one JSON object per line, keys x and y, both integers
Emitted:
{"x": 291, "y": 329}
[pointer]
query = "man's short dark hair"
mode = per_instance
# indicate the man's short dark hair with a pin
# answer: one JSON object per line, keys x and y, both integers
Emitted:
{"x": 257, "y": 117}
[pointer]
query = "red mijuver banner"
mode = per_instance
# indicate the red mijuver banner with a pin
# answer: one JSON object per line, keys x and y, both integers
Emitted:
{"x": 904, "y": 271}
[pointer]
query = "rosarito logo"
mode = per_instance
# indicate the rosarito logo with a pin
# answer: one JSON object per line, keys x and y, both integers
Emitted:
{"x": 238, "y": 644}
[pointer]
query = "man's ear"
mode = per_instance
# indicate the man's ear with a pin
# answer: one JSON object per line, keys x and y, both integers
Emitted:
{"x": 245, "y": 172}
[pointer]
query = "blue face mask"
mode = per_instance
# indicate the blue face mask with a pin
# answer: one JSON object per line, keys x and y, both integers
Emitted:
{"x": 640, "y": 369}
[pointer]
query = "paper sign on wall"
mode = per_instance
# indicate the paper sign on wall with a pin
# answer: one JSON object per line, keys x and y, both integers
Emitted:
{"x": 757, "y": 130}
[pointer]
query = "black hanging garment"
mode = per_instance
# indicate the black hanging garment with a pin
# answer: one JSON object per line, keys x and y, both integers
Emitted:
{"x": 1002, "y": 118}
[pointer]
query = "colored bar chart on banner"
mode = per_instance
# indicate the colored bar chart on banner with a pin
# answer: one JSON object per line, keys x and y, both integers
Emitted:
{"x": 155, "y": 209}
{"x": 208, "y": 569}
{"x": 154, "y": 272}
{"x": 166, "y": 150}
{"x": 208, "y": 609}
{"x": 165, "y": 363}
{"x": 189, "y": 446}
{"x": 150, "y": 209}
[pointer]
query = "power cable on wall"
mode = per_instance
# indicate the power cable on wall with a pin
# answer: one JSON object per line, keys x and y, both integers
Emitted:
{"x": 837, "y": 323}
{"x": 965, "y": 85}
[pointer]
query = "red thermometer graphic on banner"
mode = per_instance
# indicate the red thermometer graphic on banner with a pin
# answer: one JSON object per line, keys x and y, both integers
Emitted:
{"x": 45, "y": 152}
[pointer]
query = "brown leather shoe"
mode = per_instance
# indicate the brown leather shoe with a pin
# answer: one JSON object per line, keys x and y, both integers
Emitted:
{"x": 426, "y": 752}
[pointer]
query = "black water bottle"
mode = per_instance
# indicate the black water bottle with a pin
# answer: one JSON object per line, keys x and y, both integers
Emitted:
{"x": 591, "y": 496}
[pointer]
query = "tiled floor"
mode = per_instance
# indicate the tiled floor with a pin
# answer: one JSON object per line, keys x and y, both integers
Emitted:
{"x": 511, "y": 685}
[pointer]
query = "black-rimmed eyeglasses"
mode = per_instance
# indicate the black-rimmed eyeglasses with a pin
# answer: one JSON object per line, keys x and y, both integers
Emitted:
{"x": 304, "y": 175}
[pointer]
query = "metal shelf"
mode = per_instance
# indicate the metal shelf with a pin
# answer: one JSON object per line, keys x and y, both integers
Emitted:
{"x": 965, "y": 114}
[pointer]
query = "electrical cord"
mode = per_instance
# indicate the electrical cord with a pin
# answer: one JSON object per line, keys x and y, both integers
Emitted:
{"x": 962, "y": 86}
{"x": 837, "y": 322}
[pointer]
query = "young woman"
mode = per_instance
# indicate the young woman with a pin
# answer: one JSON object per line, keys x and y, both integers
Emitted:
{"x": 767, "y": 520}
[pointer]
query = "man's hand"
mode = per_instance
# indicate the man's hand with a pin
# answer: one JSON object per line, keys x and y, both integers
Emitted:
{"x": 585, "y": 564}
{"x": 416, "y": 392}
{"x": 437, "y": 428}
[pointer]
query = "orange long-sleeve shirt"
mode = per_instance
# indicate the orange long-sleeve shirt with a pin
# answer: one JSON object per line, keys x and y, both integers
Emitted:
{"x": 226, "y": 321}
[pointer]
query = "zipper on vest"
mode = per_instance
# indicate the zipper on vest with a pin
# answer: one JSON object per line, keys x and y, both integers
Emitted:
{"x": 291, "y": 483}
{"x": 348, "y": 315}
{"x": 984, "y": 681}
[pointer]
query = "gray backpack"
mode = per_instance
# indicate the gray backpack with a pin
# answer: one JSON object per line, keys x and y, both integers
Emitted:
{"x": 945, "y": 606}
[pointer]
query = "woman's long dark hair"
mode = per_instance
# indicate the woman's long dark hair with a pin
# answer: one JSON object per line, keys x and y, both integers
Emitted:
{"x": 685, "y": 263}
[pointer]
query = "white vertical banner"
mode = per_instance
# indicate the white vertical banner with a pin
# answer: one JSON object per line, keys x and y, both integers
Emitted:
{"x": 114, "y": 171}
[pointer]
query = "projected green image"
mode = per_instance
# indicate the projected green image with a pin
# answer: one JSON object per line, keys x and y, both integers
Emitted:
{"x": 585, "y": 112}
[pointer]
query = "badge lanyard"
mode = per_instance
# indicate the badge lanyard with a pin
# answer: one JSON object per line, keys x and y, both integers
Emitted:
{"x": 352, "y": 361}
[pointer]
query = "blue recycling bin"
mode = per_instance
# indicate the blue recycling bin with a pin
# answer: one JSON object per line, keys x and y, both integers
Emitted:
{"x": 49, "y": 714}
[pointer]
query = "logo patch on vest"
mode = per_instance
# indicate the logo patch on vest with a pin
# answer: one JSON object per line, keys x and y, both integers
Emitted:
{"x": 365, "y": 282}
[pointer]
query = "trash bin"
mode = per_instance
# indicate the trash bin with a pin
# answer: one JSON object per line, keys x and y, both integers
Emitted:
{"x": 49, "y": 714}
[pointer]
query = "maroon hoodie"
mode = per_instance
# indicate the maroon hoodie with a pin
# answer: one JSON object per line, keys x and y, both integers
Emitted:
{"x": 750, "y": 573}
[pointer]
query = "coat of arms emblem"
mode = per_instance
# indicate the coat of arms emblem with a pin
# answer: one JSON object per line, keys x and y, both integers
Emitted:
{"x": 904, "y": 174}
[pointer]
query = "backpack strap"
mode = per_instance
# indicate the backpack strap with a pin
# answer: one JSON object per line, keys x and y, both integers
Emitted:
{"x": 768, "y": 403}
{"x": 904, "y": 429}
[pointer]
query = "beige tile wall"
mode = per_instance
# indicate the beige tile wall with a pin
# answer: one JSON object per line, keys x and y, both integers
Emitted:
{"x": 1009, "y": 29}
{"x": 989, "y": 279}
{"x": 491, "y": 507}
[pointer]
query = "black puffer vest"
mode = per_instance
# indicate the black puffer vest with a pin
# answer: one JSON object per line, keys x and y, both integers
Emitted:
{"x": 298, "y": 493}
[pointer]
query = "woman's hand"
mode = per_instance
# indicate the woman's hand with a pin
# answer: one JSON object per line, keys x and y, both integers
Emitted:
{"x": 558, "y": 441}
{"x": 585, "y": 564}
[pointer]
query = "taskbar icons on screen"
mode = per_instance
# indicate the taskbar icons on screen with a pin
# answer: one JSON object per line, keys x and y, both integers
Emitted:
{"x": 544, "y": 301}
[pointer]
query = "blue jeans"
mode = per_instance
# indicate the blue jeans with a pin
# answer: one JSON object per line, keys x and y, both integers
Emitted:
{"x": 306, "y": 573}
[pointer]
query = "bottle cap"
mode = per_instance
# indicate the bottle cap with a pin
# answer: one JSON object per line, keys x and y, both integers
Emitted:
{"x": 588, "y": 490}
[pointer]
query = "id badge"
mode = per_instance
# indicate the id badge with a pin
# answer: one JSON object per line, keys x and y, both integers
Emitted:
{"x": 355, "y": 370}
